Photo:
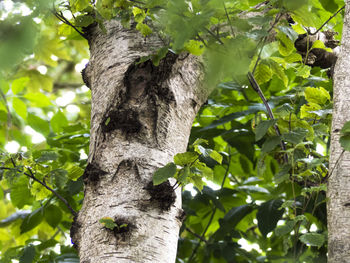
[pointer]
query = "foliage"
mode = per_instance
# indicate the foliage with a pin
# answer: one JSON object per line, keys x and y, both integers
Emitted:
{"x": 250, "y": 199}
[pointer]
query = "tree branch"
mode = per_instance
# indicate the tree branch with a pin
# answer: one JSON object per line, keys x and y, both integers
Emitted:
{"x": 329, "y": 19}
{"x": 256, "y": 87}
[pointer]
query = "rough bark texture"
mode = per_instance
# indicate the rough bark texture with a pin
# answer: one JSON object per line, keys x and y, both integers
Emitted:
{"x": 141, "y": 117}
{"x": 339, "y": 181}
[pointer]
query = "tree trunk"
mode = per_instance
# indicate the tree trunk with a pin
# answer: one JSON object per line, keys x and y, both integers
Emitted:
{"x": 339, "y": 182}
{"x": 141, "y": 117}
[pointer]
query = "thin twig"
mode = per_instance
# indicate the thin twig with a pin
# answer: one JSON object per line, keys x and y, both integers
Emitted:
{"x": 256, "y": 87}
{"x": 215, "y": 36}
{"x": 32, "y": 176}
{"x": 64, "y": 20}
{"x": 196, "y": 235}
{"x": 333, "y": 168}
{"x": 229, "y": 21}
{"x": 325, "y": 23}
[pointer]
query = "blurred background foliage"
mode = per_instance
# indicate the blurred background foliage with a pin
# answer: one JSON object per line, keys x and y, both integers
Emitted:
{"x": 245, "y": 198}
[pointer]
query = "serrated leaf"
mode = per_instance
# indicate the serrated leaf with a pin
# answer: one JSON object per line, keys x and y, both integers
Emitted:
{"x": 31, "y": 220}
{"x": 262, "y": 128}
{"x": 185, "y": 158}
{"x": 47, "y": 156}
{"x": 313, "y": 239}
{"x": 20, "y": 107}
{"x": 74, "y": 172}
{"x": 307, "y": 109}
{"x": 38, "y": 124}
{"x": 279, "y": 72}
{"x": 39, "y": 191}
{"x": 268, "y": 215}
{"x": 28, "y": 254}
{"x": 294, "y": 57}
{"x": 317, "y": 95}
{"x": 53, "y": 215}
{"x": 19, "y": 84}
{"x": 285, "y": 44}
{"x": 303, "y": 71}
{"x": 58, "y": 122}
{"x": 163, "y": 173}
{"x": 296, "y": 136}
{"x": 262, "y": 73}
{"x": 20, "y": 194}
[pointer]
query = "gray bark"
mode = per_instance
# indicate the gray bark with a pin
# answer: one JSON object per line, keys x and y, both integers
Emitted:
{"x": 141, "y": 117}
{"x": 339, "y": 182}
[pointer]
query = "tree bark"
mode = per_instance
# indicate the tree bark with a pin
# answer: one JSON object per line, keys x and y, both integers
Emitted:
{"x": 339, "y": 182}
{"x": 141, "y": 117}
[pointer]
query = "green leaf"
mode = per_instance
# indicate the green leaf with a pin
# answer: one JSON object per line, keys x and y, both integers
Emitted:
{"x": 53, "y": 215}
{"x": 262, "y": 128}
{"x": 84, "y": 20}
{"x": 47, "y": 156}
{"x": 20, "y": 193}
{"x": 345, "y": 142}
{"x": 163, "y": 173}
{"x": 194, "y": 47}
{"x": 183, "y": 174}
{"x": 262, "y": 73}
{"x": 79, "y": 5}
{"x": 28, "y": 254}
{"x": 268, "y": 215}
{"x": 233, "y": 217}
{"x": 303, "y": 71}
{"x": 346, "y": 128}
{"x": 329, "y": 5}
{"x": 285, "y": 44}
{"x": 313, "y": 239}
{"x": 38, "y": 99}
{"x": 296, "y": 136}
{"x": 279, "y": 72}
{"x": 185, "y": 158}
{"x": 74, "y": 172}
{"x": 108, "y": 222}
{"x": 20, "y": 107}
{"x": 270, "y": 144}
{"x": 58, "y": 122}
{"x": 19, "y": 84}
{"x": 39, "y": 124}
{"x": 144, "y": 29}
{"x": 285, "y": 229}
{"x": 31, "y": 220}
{"x": 317, "y": 95}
